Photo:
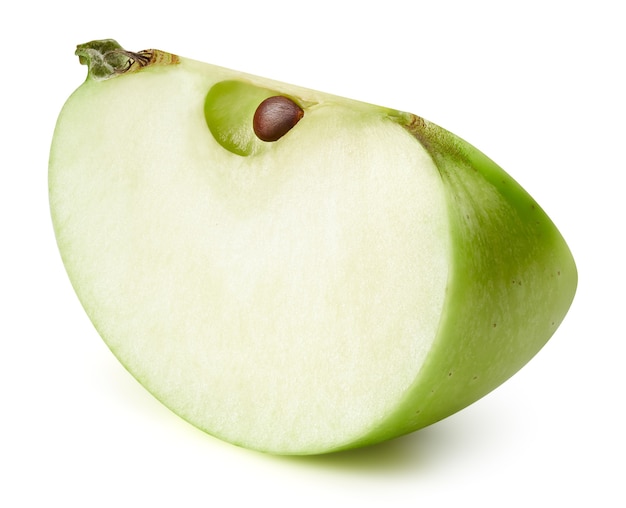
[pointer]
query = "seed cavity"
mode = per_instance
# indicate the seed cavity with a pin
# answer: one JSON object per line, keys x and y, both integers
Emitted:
{"x": 275, "y": 117}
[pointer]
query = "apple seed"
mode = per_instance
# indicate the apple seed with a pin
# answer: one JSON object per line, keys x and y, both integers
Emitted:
{"x": 275, "y": 117}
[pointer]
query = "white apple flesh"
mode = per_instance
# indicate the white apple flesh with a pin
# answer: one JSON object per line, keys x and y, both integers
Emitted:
{"x": 363, "y": 276}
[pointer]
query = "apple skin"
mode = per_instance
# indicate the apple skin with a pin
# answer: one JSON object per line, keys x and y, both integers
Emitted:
{"x": 511, "y": 276}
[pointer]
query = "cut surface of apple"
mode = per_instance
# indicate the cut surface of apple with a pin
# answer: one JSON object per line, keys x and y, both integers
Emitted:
{"x": 363, "y": 275}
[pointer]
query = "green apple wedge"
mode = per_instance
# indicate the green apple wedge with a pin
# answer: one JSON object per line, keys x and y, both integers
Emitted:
{"x": 291, "y": 271}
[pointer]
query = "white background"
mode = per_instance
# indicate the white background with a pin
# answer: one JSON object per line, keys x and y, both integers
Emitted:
{"x": 537, "y": 85}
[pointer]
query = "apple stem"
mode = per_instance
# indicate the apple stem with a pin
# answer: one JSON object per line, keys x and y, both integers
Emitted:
{"x": 106, "y": 59}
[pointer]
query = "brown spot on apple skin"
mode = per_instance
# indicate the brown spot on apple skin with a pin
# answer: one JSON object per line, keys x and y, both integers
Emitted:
{"x": 275, "y": 117}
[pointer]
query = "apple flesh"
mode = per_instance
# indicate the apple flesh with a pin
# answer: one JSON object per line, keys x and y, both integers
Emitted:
{"x": 365, "y": 275}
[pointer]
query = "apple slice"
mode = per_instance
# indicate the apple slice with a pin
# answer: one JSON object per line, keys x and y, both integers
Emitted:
{"x": 291, "y": 271}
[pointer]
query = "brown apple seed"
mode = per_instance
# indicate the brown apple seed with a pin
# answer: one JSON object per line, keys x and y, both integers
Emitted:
{"x": 275, "y": 117}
